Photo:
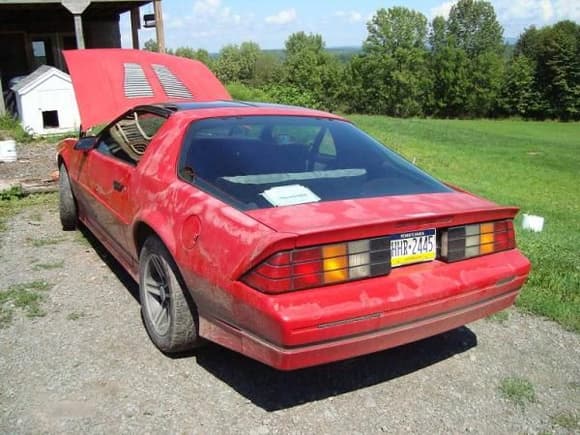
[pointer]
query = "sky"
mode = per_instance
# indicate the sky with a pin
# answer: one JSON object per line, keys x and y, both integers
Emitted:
{"x": 211, "y": 24}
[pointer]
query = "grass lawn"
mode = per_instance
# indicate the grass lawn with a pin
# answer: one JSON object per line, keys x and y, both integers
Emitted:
{"x": 532, "y": 165}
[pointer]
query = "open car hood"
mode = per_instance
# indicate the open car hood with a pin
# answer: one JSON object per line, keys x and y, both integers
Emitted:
{"x": 110, "y": 81}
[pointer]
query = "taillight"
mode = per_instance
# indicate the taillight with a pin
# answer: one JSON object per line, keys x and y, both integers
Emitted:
{"x": 321, "y": 265}
{"x": 466, "y": 241}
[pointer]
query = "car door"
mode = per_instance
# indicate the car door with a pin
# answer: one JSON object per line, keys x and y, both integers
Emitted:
{"x": 110, "y": 167}
{"x": 105, "y": 178}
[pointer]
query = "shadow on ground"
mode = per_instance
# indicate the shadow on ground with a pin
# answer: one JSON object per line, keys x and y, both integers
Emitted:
{"x": 121, "y": 274}
{"x": 273, "y": 390}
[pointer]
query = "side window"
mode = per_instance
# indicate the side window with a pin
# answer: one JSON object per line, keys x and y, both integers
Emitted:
{"x": 149, "y": 123}
{"x": 128, "y": 138}
{"x": 109, "y": 146}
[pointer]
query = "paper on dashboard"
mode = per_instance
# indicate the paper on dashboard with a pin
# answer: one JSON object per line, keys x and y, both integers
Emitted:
{"x": 289, "y": 195}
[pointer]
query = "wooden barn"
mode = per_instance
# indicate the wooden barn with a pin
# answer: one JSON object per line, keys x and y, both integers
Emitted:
{"x": 33, "y": 33}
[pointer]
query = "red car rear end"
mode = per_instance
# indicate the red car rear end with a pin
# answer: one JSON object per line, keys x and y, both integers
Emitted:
{"x": 283, "y": 233}
{"x": 293, "y": 305}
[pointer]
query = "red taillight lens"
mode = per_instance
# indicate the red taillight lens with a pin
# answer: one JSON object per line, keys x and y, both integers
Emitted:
{"x": 466, "y": 241}
{"x": 504, "y": 236}
{"x": 306, "y": 268}
{"x": 321, "y": 265}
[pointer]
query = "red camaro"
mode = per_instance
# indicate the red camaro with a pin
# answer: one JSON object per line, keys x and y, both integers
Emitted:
{"x": 284, "y": 233}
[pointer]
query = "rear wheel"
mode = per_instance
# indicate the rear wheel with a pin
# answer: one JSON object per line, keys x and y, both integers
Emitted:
{"x": 169, "y": 314}
{"x": 67, "y": 204}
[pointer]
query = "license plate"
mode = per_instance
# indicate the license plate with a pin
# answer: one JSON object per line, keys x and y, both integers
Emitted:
{"x": 413, "y": 247}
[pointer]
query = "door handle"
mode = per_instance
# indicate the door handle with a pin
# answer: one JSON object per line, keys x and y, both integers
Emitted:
{"x": 118, "y": 186}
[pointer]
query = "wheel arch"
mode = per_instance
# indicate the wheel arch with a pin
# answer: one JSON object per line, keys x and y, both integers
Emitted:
{"x": 141, "y": 232}
{"x": 144, "y": 228}
{"x": 144, "y": 232}
{"x": 64, "y": 149}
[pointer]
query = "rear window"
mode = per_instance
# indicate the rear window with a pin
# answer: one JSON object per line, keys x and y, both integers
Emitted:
{"x": 269, "y": 161}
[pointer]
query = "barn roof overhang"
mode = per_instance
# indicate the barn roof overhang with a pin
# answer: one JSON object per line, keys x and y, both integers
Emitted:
{"x": 75, "y": 7}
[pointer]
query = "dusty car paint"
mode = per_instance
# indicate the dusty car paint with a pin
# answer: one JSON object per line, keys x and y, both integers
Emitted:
{"x": 214, "y": 245}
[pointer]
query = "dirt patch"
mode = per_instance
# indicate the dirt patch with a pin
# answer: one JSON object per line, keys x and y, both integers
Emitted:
{"x": 88, "y": 365}
{"x": 35, "y": 161}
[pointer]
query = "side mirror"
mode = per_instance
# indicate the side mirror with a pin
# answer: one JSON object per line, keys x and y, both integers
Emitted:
{"x": 86, "y": 143}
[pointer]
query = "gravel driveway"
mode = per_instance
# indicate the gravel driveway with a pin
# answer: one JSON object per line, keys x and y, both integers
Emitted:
{"x": 88, "y": 366}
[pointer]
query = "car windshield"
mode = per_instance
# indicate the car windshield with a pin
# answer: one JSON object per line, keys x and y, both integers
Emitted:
{"x": 268, "y": 161}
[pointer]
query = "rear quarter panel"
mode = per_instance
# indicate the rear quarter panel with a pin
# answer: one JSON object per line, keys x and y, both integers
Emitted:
{"x": 210, "y": 241}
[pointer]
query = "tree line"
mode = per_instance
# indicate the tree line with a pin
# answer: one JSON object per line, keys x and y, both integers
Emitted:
{"x": 458, "y": 67}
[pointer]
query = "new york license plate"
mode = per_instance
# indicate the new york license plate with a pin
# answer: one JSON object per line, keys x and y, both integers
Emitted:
{"x": 413, "y": 247}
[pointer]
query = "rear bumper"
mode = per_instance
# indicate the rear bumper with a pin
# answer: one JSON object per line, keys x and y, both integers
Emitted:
{"x": 404, "y": 326}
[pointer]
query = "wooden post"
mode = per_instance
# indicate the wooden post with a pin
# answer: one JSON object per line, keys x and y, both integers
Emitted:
{"x": 2, "y": 106}
{"x": 159, "y": 25}
{"x": 79, "y": 31}
{"x": 135, "y": 26}
{"x": 77, "y": 7}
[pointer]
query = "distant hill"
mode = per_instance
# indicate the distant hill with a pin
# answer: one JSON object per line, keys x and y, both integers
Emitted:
{"x": 343, "y": 53}
{"x": 347, "y": 52}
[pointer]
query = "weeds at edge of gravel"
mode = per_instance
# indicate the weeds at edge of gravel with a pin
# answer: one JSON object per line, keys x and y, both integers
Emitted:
{"x": 81, "y": 239}
{"x": 14, "y": 204}
{"x": 75, "y": 315}
{"x": 25, "y": 296}
{"x": 517, "y": 390}
{"x": 35, "y": 217}
{"x": 48, "y": 266}
{"x": 48, "y": 241}
{"x": 500, "y": 317}
{"x": 15, "y": 192}
{"x": 567, "y": 420}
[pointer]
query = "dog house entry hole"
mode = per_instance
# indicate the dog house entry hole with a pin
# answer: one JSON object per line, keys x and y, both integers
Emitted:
{"x": 50, "y": 119}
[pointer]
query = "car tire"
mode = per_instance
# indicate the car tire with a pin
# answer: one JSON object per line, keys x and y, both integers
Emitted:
{"x": 168, "y": 312}
{"x": 67, "y": 203}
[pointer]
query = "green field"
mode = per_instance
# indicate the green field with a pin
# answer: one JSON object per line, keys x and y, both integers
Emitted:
{"x": 532, "y": 165}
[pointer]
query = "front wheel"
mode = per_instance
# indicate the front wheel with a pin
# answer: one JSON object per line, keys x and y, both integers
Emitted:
{"x": 168, "y": 312}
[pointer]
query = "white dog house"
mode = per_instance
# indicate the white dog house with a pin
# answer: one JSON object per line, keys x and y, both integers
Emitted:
{"x": 46, "y": 101}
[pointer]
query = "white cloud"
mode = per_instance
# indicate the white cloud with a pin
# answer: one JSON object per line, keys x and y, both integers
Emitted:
{"x": 515, "y": 15}
{"x": 226, "y": 15}
{"x": 203, "y": 34}
{"x": 177, "y": 23}
{"x": 206, "y": 7}
{"x": 442, "y": 10}
{"x": 173, "y": 22}
{"x": 210, "y": 24}
{"x": 525, "y": 10}
{"x": 285, "y": 16}
{"x": 567, "y": 9}
{"x": 203, "y": 10}
{"x": 350, "y": 16}
{"x": 547, "y": 9}
{"x": 539, "y": 11}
